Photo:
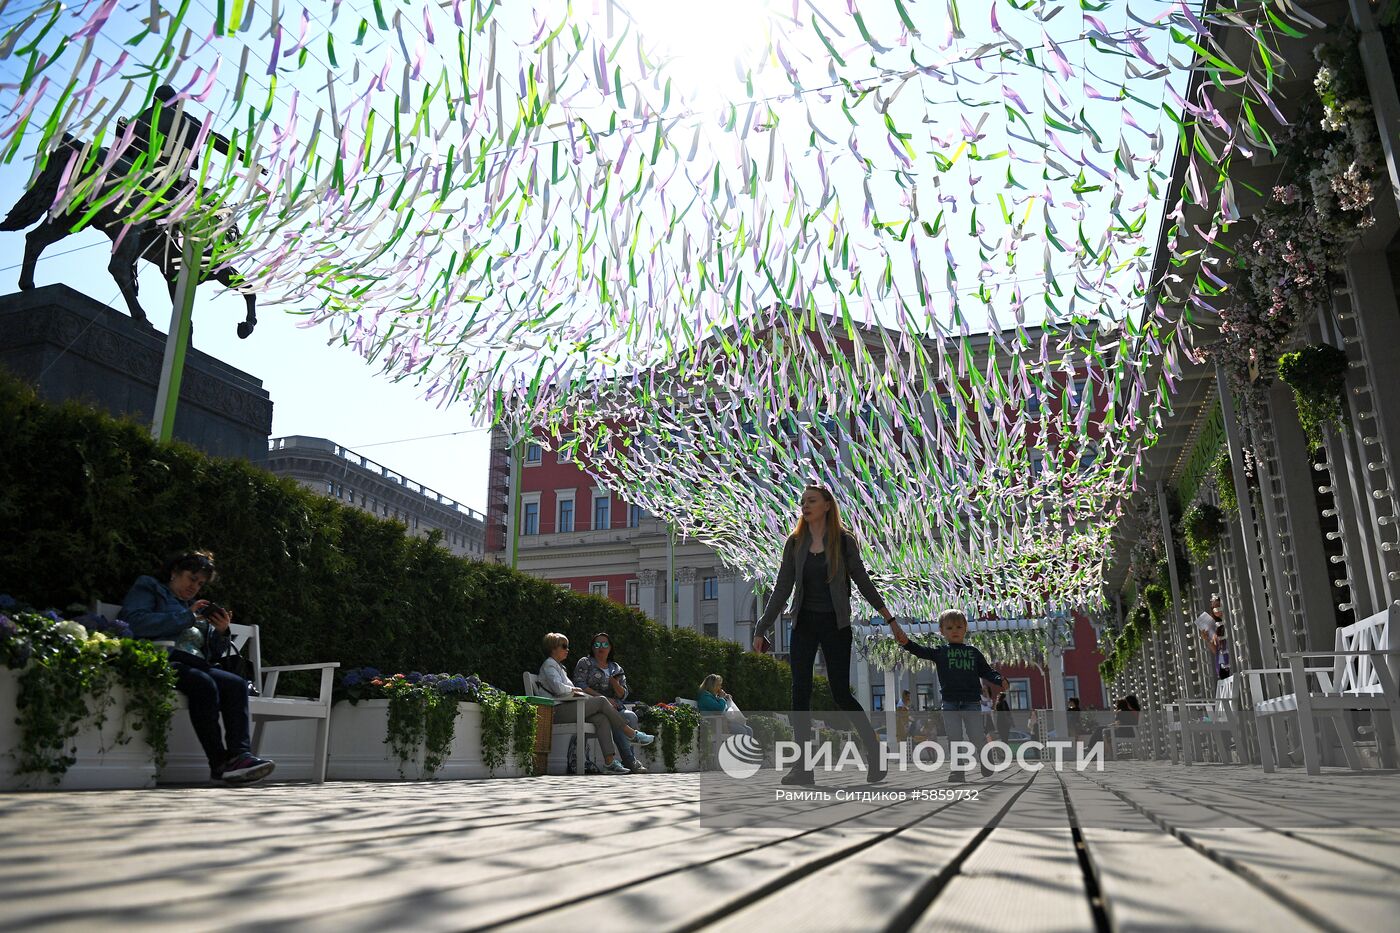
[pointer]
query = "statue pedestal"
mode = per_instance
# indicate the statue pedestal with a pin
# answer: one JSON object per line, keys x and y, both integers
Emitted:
{"x": 70, "y": 346}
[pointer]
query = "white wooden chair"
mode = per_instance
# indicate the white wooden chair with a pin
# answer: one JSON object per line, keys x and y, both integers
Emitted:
{"x": 580, "y": 729}
{"x": 1363, "y": 675}
{"x": 1222, "y": 718}
{"x": 268, "y": 706}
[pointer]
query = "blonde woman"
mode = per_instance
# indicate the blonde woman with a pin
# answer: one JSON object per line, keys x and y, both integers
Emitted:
{"x": 821, "y": 560}
{"x": 711, "y": 698}
{"x": 554, "y": 680}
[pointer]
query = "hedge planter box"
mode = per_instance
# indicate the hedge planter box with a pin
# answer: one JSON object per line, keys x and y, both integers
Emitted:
{"x": 102, "y": 764}
{"x": 653, "y": 757}
{"x": 359, "y": 750}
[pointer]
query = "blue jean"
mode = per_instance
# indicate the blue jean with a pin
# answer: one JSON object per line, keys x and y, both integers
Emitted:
{"x": 624, "y": 745}
{"x": 212, "y": 694}
{"x": 966, "y": 719}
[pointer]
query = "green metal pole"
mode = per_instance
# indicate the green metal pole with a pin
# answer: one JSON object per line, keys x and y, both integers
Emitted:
{"x": 177, "y": 342}
{"x": 513, "y": 513}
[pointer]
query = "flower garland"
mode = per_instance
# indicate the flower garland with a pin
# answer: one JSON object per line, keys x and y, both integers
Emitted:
{"x": 66, "y": 678}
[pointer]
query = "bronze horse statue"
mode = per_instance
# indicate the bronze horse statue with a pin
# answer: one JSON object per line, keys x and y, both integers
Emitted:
{"x": 160, "y": 244}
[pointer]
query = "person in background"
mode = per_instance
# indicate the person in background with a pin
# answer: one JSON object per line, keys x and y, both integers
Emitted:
{"x": 596, "y": 709}
{"x": 712, "y": 698}
{"x": 600, "y": 676}
{"x": 164, "y": 608}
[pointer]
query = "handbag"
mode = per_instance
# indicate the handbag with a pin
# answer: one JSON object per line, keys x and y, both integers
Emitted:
{"x": 235, "y": 662}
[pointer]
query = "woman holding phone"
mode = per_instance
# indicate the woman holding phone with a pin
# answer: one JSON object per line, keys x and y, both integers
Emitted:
{"x": 821, "y": 560}
{"x": 165, "y": 608}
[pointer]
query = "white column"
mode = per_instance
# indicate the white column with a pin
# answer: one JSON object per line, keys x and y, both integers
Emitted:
{"x": 864, "y": 693}
{"x": 728, "y": 610}
{"x": 1057, "y": 693}
{"x": 891, "y": 698}
{"x": 685, "y": 587}
{"x": 646, "y": 593}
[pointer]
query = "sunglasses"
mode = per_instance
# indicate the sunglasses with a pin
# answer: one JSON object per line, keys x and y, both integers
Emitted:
{"x": 601, "y": 644}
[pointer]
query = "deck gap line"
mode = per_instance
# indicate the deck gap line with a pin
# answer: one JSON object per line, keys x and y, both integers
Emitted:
{"x": 923, "y": 898}
{"x": 1231, "y": 864}
{"x": 1291, "y": 834}
{"x": 1097, "y": 904}
{"x": 739, "y": 903}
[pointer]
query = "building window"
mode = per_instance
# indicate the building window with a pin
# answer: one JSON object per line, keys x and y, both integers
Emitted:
{"x": 599, "y": 589}
{"x": 566, "y": 515}
{"x": 533, "y": 457}
{"x": 563, "y": 455}
{"x": 634, "y": 516}
{"x": 566, "y": 586}
{"x": 530, "y": 519}
{"x": 1019, "y": 693}
{"x": 1071, "y": 688}
{"x": 709, "y": 588}
{"x": 602, "y": 512}
{"x": 633, "y": 592}
{"x": 711, "y": 629}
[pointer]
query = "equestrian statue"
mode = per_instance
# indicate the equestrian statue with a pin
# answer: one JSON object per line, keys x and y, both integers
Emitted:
{"x": 176, "y": 135}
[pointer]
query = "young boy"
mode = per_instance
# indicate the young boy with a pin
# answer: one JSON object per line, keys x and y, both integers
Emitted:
{"x": 961, "y": 669}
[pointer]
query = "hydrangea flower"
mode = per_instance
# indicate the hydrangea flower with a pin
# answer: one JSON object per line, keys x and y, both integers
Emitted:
{"x": 72, "y": 629}
{"x": 8, "y": 629}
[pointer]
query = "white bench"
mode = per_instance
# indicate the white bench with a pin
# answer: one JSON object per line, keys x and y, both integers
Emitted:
{"x": 580, "y": 729}
{"x": 268, "y": 706}
{"x": 1221, "y": 717}
{"x": 1362, "y": 676}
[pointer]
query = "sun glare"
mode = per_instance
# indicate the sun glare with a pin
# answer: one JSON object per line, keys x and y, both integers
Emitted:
{"x": 704, "y": 48}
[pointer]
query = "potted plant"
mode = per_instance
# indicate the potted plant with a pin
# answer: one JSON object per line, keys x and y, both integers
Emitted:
{"x": 417, "y": 726}
{"x": 92, "y": 705}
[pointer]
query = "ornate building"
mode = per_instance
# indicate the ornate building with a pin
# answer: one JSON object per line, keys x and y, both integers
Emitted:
{"x": 331, "y": 470}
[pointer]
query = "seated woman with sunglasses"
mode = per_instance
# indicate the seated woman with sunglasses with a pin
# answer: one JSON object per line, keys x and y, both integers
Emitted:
{"x": 163, "y": 608}
{"x": 554, "y": 680}
{"x": 600, "y": 676}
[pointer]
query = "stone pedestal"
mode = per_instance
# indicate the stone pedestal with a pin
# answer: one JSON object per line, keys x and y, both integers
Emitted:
{"x": 70, "y": 346}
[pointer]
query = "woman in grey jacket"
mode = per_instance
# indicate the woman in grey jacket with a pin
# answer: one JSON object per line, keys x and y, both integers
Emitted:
{"x": 820, "y": 562}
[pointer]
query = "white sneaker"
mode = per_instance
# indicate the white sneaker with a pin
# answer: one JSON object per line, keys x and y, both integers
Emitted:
{"x": 641, "y": 738}
{"x": 617, "y": 767}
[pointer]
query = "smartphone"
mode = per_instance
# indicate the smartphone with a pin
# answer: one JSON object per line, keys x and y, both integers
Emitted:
{"x": 212, "y": 607}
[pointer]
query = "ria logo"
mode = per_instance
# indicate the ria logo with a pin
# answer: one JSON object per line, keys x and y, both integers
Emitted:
{"x": 740, "y": 756}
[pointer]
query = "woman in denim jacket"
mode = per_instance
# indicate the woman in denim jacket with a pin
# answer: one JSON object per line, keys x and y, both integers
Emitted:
{"x": 164, "y": 608}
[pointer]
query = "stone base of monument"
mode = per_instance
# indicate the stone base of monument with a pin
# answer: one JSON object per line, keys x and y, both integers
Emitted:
{"x": 70, "y": 346}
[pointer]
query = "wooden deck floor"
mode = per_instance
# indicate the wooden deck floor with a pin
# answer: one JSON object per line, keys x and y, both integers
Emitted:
{"x": 1143, "y": 846}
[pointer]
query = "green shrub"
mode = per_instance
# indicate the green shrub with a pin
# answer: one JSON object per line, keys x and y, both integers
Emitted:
{"x": 1317, "y": 375}
{"x": 93, "y": 502}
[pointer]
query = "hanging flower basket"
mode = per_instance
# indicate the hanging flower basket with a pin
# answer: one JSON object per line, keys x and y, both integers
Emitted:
{"x": 1317, "y": 375}
{"x": 1204, "y": 526}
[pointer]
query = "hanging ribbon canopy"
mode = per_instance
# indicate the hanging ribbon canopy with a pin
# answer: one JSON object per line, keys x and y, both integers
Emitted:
{"x": 901, "y": 247}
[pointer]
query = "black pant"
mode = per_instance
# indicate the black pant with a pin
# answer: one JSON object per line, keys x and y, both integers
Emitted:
{"x": 815, "y": 630}
{"x": 210, "y": 693}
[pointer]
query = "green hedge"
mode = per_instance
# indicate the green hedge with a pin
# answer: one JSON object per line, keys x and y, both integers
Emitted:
{"x": 88, "y": 502}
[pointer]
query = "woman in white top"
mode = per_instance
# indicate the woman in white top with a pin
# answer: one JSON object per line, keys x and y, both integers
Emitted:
{"x": 554, "y": 680}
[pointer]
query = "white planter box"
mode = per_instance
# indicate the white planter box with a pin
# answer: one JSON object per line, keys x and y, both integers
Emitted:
{"x": 359, "y": 751}
{"x": 102, "y": 764}
{"x": 290, "y": 743}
